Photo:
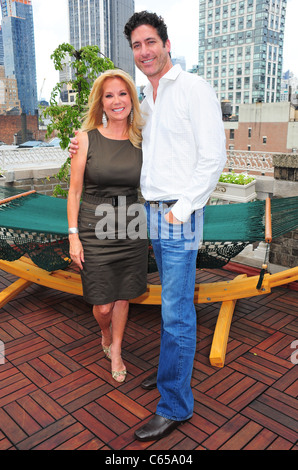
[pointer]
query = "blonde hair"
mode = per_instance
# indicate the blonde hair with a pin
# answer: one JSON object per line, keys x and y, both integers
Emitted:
{"x": 93, "y": 116}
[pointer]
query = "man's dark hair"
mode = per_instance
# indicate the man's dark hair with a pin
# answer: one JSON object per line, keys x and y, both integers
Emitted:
{"x": 147, "y": 18}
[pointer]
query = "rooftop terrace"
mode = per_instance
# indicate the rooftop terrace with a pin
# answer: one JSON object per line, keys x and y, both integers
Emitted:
{"x": 56, "y": 390}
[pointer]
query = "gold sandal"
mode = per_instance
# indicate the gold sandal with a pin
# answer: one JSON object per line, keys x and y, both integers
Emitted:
{"x": 116, "y": 374}
{"x": 107, "y": 351}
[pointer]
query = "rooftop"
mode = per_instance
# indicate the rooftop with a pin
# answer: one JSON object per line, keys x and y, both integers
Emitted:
{"x": 56, "y": 390}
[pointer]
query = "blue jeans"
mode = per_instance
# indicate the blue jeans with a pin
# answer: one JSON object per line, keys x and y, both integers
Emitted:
{"x": 175, "y": 249}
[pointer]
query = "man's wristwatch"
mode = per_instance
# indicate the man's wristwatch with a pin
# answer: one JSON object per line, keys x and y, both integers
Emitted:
{"x": 73, "y": 230}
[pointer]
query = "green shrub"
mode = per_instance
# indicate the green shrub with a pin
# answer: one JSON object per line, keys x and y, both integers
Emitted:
{"x": 236, "y": 178}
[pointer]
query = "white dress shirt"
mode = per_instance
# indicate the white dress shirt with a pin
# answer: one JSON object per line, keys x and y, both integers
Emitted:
{"x": 183, "y": 142}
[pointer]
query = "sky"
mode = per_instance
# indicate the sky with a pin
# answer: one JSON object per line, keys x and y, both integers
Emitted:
{"x": 181, "y": 17}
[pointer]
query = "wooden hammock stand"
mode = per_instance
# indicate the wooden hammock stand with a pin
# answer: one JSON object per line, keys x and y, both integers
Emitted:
{"x": 227, "y": 292}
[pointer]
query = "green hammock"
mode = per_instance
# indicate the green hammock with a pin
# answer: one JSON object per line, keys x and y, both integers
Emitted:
{"x": 36, "y": 225}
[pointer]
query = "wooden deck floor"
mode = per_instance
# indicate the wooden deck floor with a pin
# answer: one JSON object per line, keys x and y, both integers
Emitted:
{"x": 56, "y": 391}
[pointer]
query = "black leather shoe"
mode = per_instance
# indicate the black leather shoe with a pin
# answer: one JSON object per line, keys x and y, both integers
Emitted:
{"x": 157, "y": 428}
{"x": 150, "y": 382}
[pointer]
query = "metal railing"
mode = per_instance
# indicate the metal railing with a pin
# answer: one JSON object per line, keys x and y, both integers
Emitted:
{"x": 257, "y": 163}
{"x": 45, "y": 157}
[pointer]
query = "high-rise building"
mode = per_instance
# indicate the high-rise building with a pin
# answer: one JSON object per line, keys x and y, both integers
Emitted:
{"x": 289, "y": 87}
{"x": 101, "y": 23}
{"x": 19, "y": 50}
{"x": 1, "y": 48}
{"x": 179, "y": 60}
{"x": 241, "y": 49}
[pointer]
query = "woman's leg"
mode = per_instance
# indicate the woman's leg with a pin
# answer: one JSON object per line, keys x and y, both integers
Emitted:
{"x": 114, "y": 314}
{"x": 103, "y": 316}
{"x": 119, "y": 319}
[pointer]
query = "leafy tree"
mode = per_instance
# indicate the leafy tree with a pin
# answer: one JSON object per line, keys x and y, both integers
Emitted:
{"x": 86, "y": 64}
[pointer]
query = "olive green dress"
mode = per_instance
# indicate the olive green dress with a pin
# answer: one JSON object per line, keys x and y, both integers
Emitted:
{"x": 112, "y": 222}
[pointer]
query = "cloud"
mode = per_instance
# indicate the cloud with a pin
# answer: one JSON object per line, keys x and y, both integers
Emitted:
{"x": 290, "y": 54}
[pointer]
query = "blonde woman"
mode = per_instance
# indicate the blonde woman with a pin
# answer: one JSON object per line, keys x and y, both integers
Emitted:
{"x": 107, "y": 166}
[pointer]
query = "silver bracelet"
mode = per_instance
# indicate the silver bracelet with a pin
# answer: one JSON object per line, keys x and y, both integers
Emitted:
{"x": 73, "y": 230}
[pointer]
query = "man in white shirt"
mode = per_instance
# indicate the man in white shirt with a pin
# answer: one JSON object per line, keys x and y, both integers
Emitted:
{"x": 183, "y": 156}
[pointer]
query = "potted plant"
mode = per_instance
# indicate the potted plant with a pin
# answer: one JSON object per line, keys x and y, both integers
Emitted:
{"x": 235, "y": 187}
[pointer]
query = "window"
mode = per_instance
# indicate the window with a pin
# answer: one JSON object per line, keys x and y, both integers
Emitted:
{"x": 264, "y": 139}
{"x": 232, "y": 133}
{"x": 249, "y": 132}
{"x": 249, "y": 21}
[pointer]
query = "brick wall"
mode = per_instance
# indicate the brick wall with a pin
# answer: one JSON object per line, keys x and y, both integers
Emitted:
{"x": 45, "y": 185}
{"x": 276, "y": 134}
{"x": 286, "y": 167}
{"x": 284, "y": 250}
{"x": 11, "y": 125}
{"x": 41, "y": 185}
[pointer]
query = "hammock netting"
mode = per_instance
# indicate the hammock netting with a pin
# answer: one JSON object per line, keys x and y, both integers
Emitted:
{"x": 36, "y": 225}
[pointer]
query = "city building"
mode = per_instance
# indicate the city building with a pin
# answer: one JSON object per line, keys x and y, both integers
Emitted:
{"x": 289, "y": 88}
{"x": 16, "y": 129}
{"x": 264, "y": 127}
{"x": 19, "y": 50}
{"x": 179, "y": 60}
{"x": 241, "y": 49}
{"x": 9, "y": 102}
{"x": 1, "y": 48}
{"x": 101, "y": 23}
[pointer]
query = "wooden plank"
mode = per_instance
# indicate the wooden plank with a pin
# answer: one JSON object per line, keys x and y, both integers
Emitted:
{"x": 222, "y": 330}
{"x": 17, "y": 196}
{"x": 212, "y": 292}
{"x": 268, "y": 221}
{"x": 64, "y": 281}
{"x": 70, "y": 282}
{"x": 13, "y": 290}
